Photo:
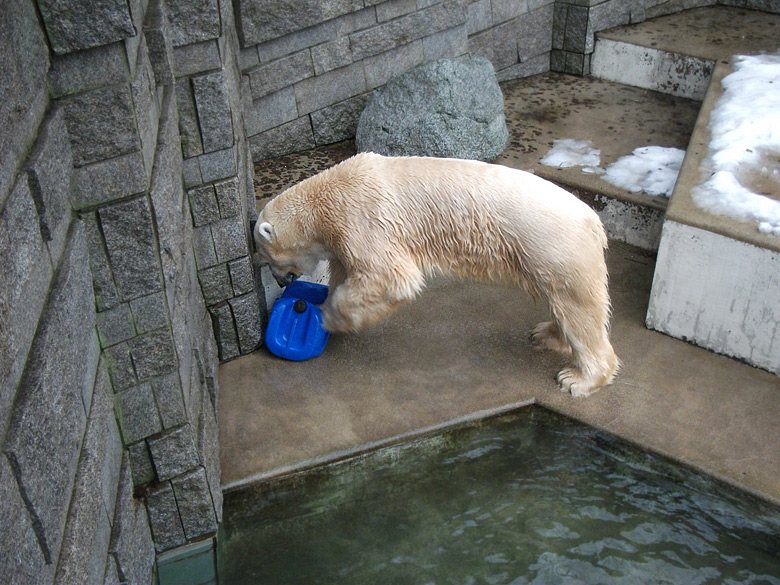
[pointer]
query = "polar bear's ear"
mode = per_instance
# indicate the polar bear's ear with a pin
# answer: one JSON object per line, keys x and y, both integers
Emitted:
{"x": 266, "y": 230}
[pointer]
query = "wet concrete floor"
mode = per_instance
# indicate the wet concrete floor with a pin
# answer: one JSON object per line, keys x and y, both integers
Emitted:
{"x": 462, "y": 349}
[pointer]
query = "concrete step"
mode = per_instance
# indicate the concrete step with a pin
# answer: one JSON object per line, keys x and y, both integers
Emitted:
{"x": 715, "y": 281}
{"x": 676, "y": 54}
{"x": 650, "y": 68}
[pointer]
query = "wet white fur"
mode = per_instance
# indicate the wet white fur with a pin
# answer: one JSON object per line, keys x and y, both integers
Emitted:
{"x": 384, "y": 224}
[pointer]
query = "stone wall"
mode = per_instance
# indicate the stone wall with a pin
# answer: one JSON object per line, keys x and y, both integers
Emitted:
{"x": 127, "y": 131}
{"x": 125, "y": 202}
{"x": 309, "y": 67}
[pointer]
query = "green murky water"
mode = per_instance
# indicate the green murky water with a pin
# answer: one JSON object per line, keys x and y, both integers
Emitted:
{"x": 528, "y": 498}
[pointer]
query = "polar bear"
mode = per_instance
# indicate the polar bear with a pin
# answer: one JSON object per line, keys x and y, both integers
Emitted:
{"x": 386, "y": 223}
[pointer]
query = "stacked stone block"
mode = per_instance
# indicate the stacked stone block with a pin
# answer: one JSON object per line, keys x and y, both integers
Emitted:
{"x": 217, "y": 169}
{"x": 66, "y": 503}
{"x": 576, "y": 23}
{"x": 516, "y": 36}
{"x": 108, "y": 377}
{"x": 309, "y": 68}
{"x": 151, "y": 321}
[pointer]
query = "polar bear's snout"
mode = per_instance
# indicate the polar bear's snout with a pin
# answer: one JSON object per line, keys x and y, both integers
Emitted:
{"x": 285, "y": 280}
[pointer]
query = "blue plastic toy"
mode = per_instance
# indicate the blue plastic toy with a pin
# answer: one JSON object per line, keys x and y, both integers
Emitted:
{"x": 295, "y": 330}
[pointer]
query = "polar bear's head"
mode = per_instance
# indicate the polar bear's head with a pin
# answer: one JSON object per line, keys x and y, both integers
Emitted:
{"x": 282, "y": 247}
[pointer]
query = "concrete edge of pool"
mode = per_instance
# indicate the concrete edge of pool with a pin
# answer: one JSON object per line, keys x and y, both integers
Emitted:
{"x": 463, "y": 348}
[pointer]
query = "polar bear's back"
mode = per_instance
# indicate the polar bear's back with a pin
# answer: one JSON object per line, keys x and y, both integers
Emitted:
{"x": 452, "y": 215}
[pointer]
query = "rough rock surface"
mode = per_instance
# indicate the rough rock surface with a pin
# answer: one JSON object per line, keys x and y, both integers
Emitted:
{"x": 446, "y": 108}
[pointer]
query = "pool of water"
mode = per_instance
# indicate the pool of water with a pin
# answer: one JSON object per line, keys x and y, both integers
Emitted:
{"x": 531, "y": 497}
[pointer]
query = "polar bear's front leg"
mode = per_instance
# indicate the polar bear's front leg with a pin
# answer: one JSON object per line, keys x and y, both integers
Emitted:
{"x": 361, "y": 299}
{"x": 352, "y": 306}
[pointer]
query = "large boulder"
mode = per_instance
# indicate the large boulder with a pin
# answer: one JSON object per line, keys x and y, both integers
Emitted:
{"x": 446, "y": 108}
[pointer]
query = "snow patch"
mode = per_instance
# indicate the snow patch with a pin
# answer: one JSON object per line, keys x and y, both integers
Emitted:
{"x": 745, "y": 135}
{"x": 651, "y": 169}
{"x": 569, "y": 152}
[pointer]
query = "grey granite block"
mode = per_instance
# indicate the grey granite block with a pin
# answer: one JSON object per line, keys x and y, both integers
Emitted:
{"x": 386, "y": 36}
{"x": 111, "y": 575}
{"x": 109, "y": 446}
{"x": 203, "y": 205}
{"x": 228, "y": 197}
{"x": 197, "y": 58}
{"x": 292, "y": 137}
{"x": 131, "y": 539}
{"x": 87, "y": 530}
{"x": 48, "y": 419}
{"x": 27, "y": 272}
{"x": 249, "y": 321}
{"x": 214, "y": 114}
{"x": 380, "y": 68}
{"x": 248, "y": 58}
{"x": 230, "y": 238}
{"x": 97, "y": 183}
{"x": 331, "y": 55}
{"x": 158, "y": 40}
{"x": 505, "y": 51}
{"x": 146, "y": 106}
{"x": 174, "y": 452}
{"x": 101, "y": 124}
{"x": 188, "y": 119}
{"x": 263, "y": 20}
{"x": 390, "y": 10}
{"x": 120, "y": 366}
{"x": 141, "y": 463}
{"x": 137, "y": 412}
{"x": 480, "y": 17}
{"x": 193, "y": 22}
{"x": 170, "y": 400}
{"x": 149, "y": 312}
{"x": 217, "y": 165}
{"x": 87, "y": 70}
{"x": 241, "y": 276}
{"x": 315, "y": 93}
{"x": 23, "y": 557}
{"x": 153, "y": 353}
{"x": 164, "y": 516}
{"x": 505, "y": 10}
{"x": 130, "y": 241}
{"x": 24, "y": 62}
{"x": 106, "y": 295}
{"x": 115, "y": 325}
{"x": 225, "y": 331}
{"x": 49, "y": 169}
{"x": 270, "y": 111}
{"x": 575, "y": 33}
{"x": 73, "y": 25}
{"x": 215, "y": 284}
{"x": 338, "y": 122}
{"x": 208, "y": 446}
{"x": 203, "y": 243}
{"x": 196, "y": 506}
{"x": 271, "y": 77}
{"x": 532, "y": 66}
{"x": 191, "y": 173}
{"x": 449, "y": 43}
{"x": 535, "y": 33}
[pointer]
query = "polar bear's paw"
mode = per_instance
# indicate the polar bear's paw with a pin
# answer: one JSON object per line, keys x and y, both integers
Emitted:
{"x": 336, "y": 322}
{"x": 548, "y": 335}
{"x": 571, "y": 380}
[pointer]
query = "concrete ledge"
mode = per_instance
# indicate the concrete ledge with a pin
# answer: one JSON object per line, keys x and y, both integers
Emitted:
{"x": 719, "y": 293}
{"x": 681, "y": 207}
{"x": 651, "y": 68}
